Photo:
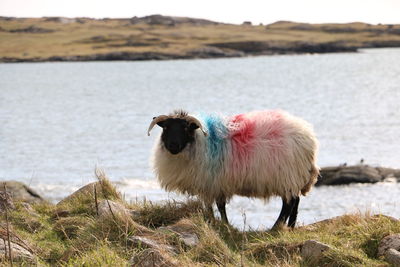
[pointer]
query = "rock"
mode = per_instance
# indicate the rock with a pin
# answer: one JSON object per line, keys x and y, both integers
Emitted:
{"x": 185, "y": 229}
{"x": 20, "y": 192}
{"x": 109, "y": 207}
{"x": 152, "y": 258}
{"x": 388, "y": 242}
{"x": 170, "y": 21}
{"x": 349, "y": 174}
{"x": 145, "y": 242}
{"x": 271, "y": 47}
{"x": 18, "y": 252}
{"x": 212, "y": 52}
{"x": 393, "y": 257}
{"x": 84, "y": 190}
{"x": 313, "y": 250}
{"x": 389, "y": 174}
{"x": 31, "y": 29}
{"x": 5, "y": 201}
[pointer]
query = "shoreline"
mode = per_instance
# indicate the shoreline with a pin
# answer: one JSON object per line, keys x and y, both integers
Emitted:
{"x": 205, "y": 53}
{"x": 157, "y": 37}
{"x": 338, "y": 175}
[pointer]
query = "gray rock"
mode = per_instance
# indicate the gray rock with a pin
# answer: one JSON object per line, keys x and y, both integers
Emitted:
{"x": 393, "y": 257}
{"x": 185, "y": 230}
{"x": 349, "y": 174}
{"x": 211, "y": 52}
{"x": 20, "y": 192}
{"x": 145, "y": 242}
{"x": 6, "y": 201}
{"x": 189, "y": 239}
{"x": 84, "y": 190}
{"x": 313, "y": 250}
{"x": 108, "y": 207}
{"x": 18, "y": 252}
{"x": 388, "y": 242}
{"x": 152, "y": 258}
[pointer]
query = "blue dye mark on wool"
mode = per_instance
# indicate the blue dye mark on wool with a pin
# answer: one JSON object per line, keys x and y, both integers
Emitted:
{"x": 215, "y": 141}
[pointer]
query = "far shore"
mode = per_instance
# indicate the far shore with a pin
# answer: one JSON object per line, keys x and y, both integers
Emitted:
{"x": 157, "y": 37}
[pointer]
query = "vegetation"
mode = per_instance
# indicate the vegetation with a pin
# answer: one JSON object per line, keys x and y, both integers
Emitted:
{"x": 75, "y": 232}
{"x": 159, "y": 37}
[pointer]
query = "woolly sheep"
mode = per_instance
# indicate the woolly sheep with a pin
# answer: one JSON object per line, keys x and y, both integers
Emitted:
{"x": 258, "y": 154}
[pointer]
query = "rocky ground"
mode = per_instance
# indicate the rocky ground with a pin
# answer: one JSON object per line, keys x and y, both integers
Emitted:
{"x": 159, "y": 37}
{"x": 94, "y": 226}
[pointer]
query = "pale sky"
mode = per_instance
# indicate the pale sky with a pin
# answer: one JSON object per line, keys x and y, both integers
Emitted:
{"x": 230, "y": 11}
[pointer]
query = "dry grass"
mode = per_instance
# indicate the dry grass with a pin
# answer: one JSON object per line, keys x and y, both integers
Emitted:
{"x": 77, "y": 236}
{"x": 89, "y": 36}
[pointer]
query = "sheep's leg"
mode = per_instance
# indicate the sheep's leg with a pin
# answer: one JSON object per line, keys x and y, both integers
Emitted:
{"x": 221, "y": 202}
{"x": 293, "y": 213}
{"x": 285, "y": 212}
{"x": 209, "y": 212}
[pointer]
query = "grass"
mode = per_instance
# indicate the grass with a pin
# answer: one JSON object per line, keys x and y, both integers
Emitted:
{"x": 90, "y": 36}
{"x": 72, "y": 234}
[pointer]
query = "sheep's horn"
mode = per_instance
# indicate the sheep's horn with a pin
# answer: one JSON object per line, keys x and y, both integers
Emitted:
{"x": 191, "y": 119}
{"x": 155, "y": 121}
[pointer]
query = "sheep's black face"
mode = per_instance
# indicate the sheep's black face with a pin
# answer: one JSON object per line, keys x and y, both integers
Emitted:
{"x": 177, "y": 133}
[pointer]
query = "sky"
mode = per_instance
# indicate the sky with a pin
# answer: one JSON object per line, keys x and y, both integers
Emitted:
{"x": 229, "y": 11}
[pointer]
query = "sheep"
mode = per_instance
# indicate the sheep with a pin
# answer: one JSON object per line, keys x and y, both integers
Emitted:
{"x": 259, "y": 154}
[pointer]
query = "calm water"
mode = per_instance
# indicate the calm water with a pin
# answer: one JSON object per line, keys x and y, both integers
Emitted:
{"x": 60, "y": 120}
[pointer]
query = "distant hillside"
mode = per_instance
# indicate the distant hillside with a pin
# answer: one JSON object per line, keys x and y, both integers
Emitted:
{"x": 164, "y": 37}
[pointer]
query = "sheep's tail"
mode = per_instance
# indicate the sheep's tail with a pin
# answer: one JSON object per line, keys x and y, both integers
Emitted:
{"x": 314, "y": 172}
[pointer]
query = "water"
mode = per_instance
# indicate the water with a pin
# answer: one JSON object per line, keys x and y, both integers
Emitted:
{"x": 60, "y": 120}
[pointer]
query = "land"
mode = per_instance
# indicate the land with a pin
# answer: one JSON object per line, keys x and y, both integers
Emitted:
{"x": 95, "y": 226}
{"x": 159, "y": 37}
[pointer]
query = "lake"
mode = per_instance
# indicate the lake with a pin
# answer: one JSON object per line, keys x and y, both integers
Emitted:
{"x": 60, "y": 120}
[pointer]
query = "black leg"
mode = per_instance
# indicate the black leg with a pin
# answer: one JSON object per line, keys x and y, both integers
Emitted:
{"x": 285, "y": 212}
{"x": 293, "y": 213}
{"x": 281, "y": 218}
{"x": 221, "y": 202}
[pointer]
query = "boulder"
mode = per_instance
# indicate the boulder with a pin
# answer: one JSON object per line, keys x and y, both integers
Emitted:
{"x": 185, "y": 229}
{"x": 349, "y": 174}
{"x": 6, "y": 201}
{"x": 84, "y": 190}
{"x": 152, "y": 258}
{"x": 89, "y": 191}
{"x": 388, "y": 242}
{"x": 109, "y": 207}
{"x": 313, "y": 250}
{"x": 145, "y": 242}
{"x": 392, "y": 256}
{"x": 18, "y": 191}
{"x": 18, "y": 252}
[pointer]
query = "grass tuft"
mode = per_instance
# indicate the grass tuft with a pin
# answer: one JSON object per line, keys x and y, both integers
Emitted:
{"x": 160, "y": 214}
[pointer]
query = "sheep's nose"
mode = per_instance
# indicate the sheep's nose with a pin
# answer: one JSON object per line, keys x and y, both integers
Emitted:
{"x": 174, "y": 148}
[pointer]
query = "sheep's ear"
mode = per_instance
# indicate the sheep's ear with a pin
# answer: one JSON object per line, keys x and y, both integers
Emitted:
{"x": 193, "y": 126}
